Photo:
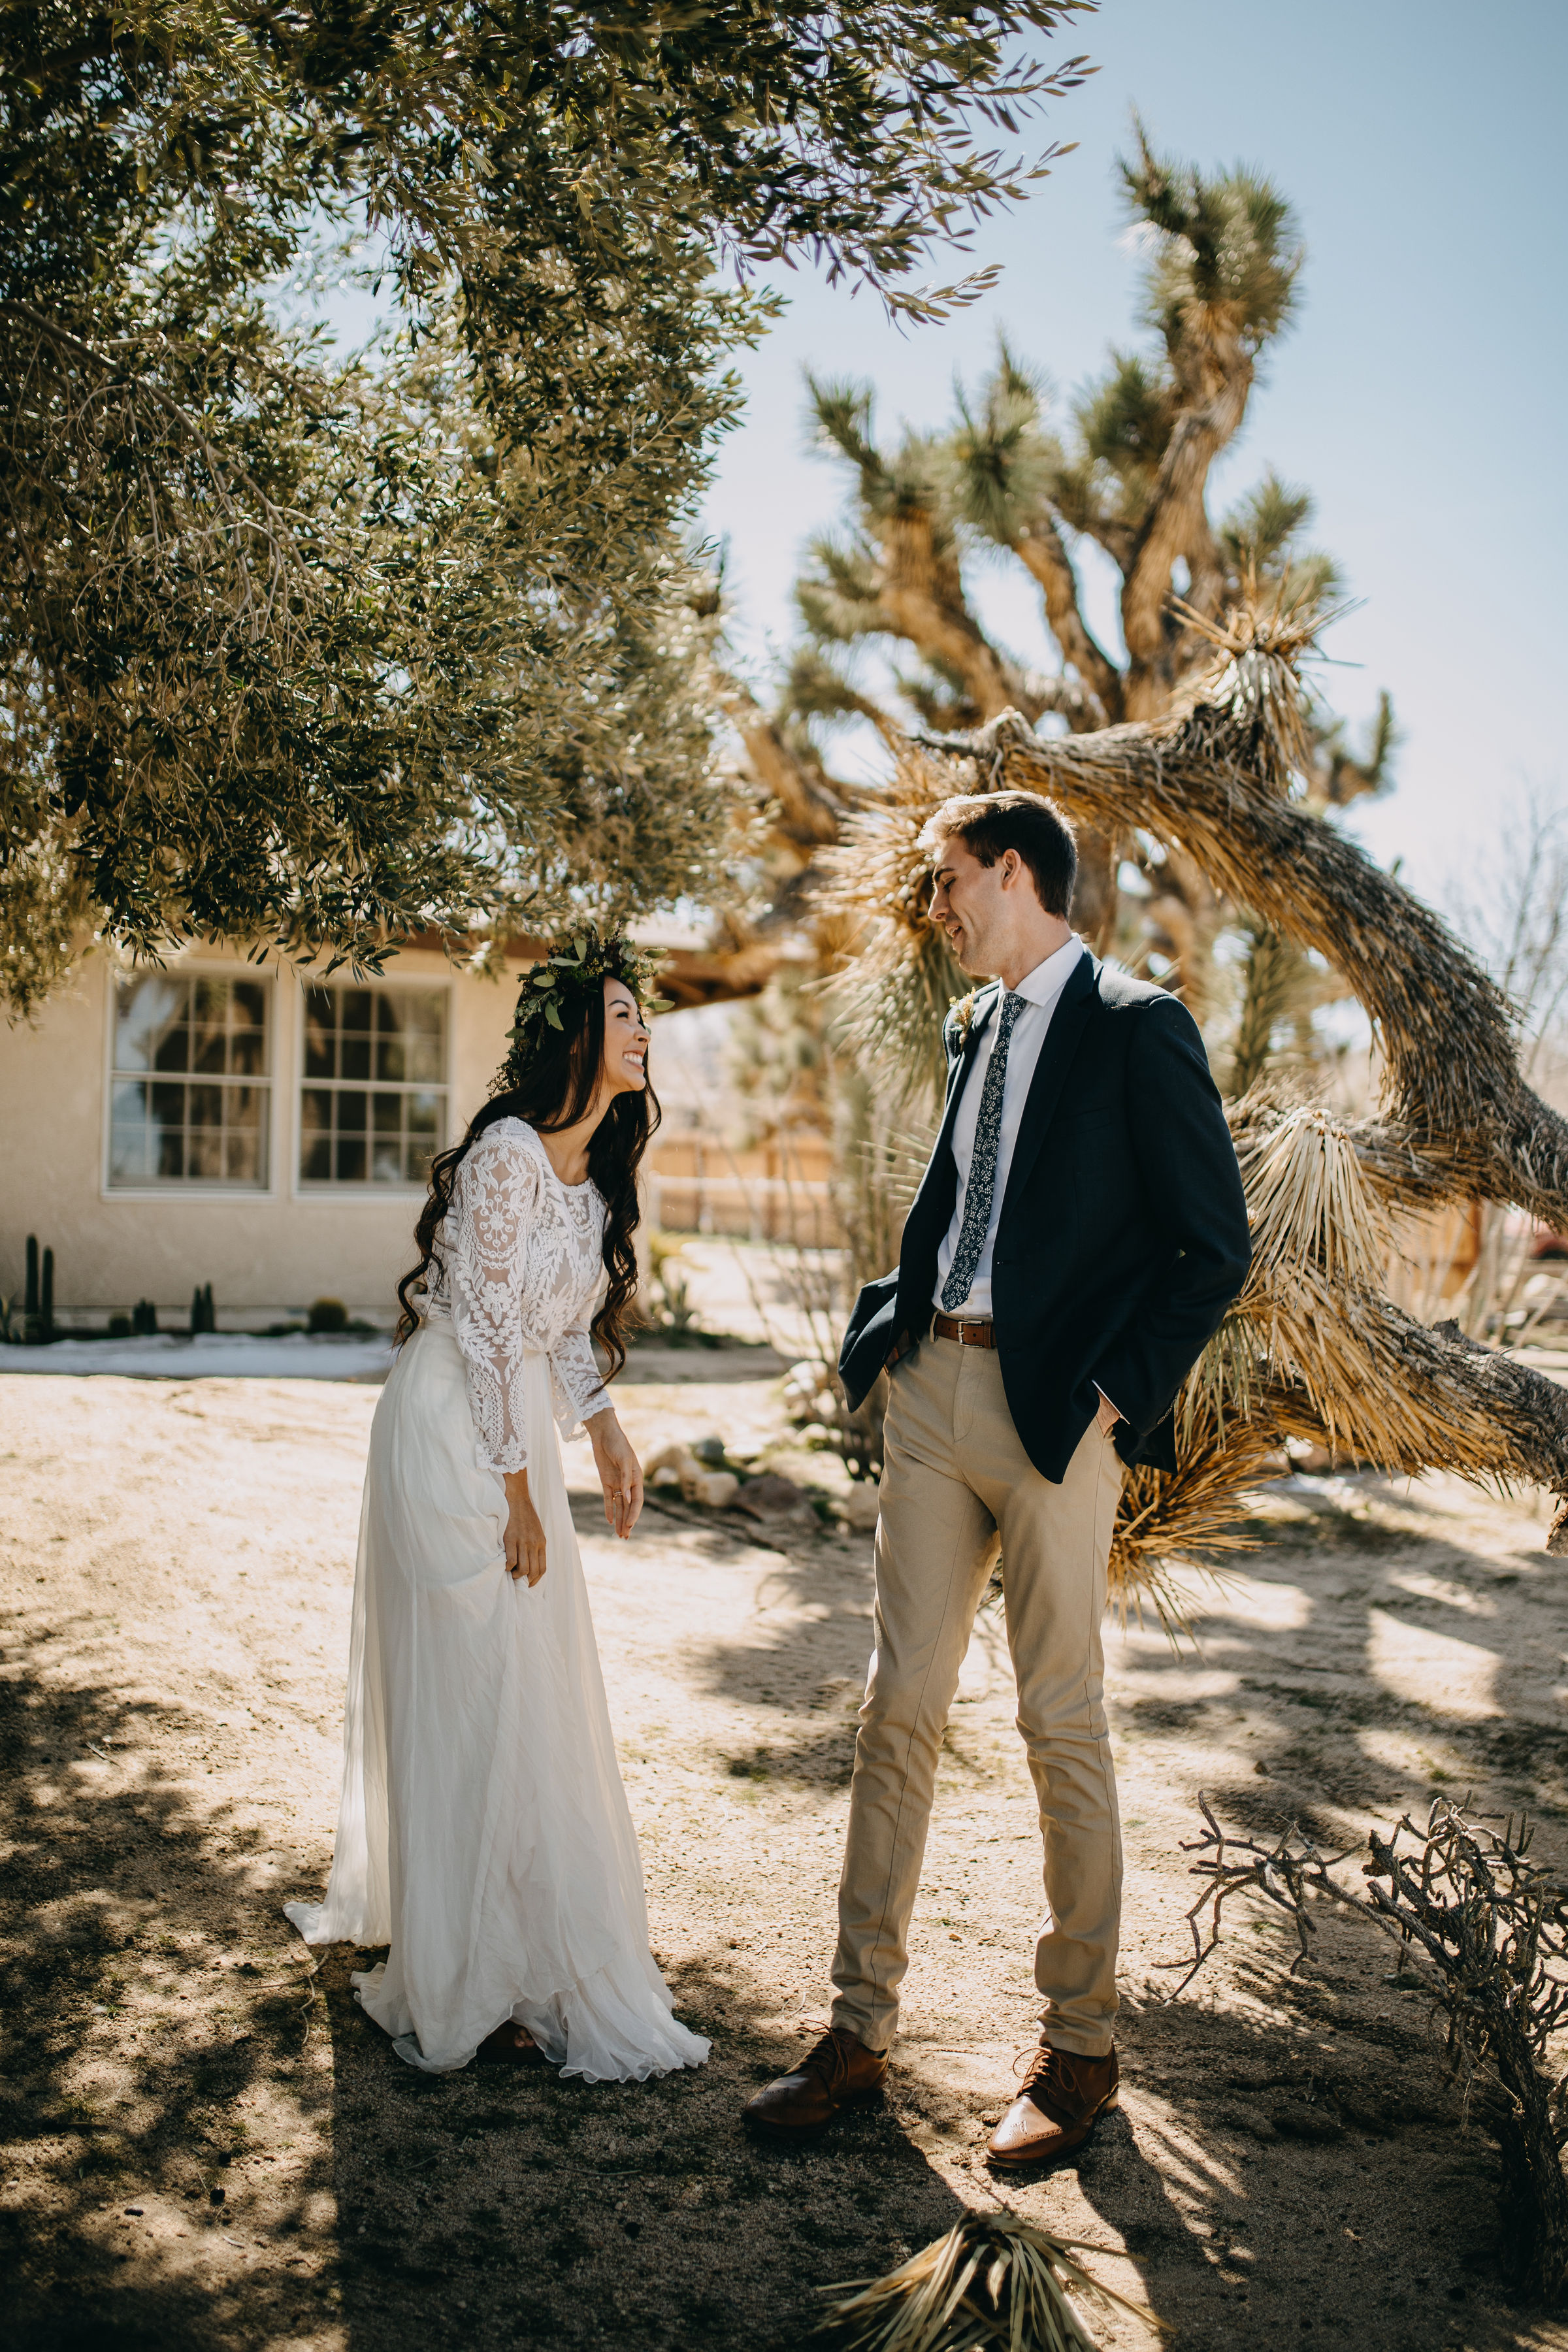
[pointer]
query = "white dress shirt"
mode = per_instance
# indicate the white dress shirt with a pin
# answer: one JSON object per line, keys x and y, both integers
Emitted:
{"x": 1041, "y": 991}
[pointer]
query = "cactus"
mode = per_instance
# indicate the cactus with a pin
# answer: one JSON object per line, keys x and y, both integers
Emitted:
{"x": 145, "y": 1319}
{"x": 203, "y": 1314}
{"x": 30, "y": 1293}
{"x": 46, "y": 1298}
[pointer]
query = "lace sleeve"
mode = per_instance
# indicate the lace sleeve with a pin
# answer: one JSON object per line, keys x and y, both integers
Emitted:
{"x": 484, "y": 1246}
{"x": 579, "y": 1391}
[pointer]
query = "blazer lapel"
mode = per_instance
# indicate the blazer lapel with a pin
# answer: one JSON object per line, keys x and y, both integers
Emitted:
{"x": 1067, "y": 1023}
{"x": 963, "y": 1063}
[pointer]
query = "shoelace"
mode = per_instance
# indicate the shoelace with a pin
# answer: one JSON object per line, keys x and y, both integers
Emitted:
{"x": 1048, "y": 2073}
{"x": 826, "y": 2060}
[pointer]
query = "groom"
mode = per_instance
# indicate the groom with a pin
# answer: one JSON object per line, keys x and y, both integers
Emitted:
{"x": 1078, "y": 1235}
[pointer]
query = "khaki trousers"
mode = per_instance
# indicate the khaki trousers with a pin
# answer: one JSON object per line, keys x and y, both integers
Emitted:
{"x": 955, "y": 1477}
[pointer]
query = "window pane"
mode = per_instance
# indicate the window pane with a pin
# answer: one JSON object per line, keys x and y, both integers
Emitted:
{"x": 248, "y": 1053}
{"x": 247, "y": 999}
{"x": 172, "y": 1049}
{"x": 353, "y": 1058}
{"x": 425, "y": 1116}
{"x": 387, "y": 1162}
{"x": 169, "y": 1148}
{"x": 128, "y": 1161}
{"x": 354, "y": 1009}
{"x": 204, "y": 1107}
{"x": 144, "y": 1010}
{"x": 389, "y": 1059}
{"x": 209, "y": 1051}
{"x": 204, "y": 1156}
{"x": 351, "y": 1113}
{"x": 316, "y": 1159}
{"x": 318, "y": 1027}
{"x": 419, "y": 1158}
{"x": 351, "y": 1159}
{"x": 387, "y": 1114}
{"x": 242, "y": 1152}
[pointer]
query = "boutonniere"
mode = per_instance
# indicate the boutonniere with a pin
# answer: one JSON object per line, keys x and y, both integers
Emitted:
{"x": 962, "y": 1009}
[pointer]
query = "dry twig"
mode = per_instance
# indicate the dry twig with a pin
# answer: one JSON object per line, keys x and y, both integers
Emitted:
{"x": 1490, "y": 1927}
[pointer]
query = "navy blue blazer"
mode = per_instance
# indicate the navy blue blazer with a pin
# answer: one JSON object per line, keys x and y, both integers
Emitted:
{"x": 1122, "y": 1237}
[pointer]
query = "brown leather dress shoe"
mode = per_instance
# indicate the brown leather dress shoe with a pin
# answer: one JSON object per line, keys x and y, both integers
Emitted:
{"x": 839, "y": 2073}
{"x": 1063, "y": 2098}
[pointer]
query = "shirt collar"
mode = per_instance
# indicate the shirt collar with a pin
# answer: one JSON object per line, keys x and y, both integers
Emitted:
{"x": 1046, "y": 982}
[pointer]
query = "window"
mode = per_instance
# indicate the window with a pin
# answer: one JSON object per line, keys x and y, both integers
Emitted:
{"x": 190, "y": 1094}
{"x": 372, "y": 1109}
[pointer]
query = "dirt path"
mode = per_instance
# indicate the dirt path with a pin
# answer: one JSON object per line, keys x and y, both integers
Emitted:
{"x": 208, "y": 2145}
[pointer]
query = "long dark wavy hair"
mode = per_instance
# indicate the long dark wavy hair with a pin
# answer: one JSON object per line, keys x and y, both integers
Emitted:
{"x": 552, "y": 1087}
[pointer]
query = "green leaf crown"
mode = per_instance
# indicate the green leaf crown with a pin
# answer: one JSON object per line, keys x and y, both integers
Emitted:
{"x": 583, "y": 962}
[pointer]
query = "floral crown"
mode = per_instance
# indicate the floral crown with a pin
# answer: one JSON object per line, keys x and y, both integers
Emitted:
{"x": 585, "y": 964}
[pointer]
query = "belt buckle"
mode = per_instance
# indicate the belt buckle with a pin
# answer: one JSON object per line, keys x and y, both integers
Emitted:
{"x": 968, "y": 1323}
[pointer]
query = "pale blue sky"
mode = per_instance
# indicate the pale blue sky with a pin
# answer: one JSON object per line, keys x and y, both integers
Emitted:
{"x": 1419, "y": 394}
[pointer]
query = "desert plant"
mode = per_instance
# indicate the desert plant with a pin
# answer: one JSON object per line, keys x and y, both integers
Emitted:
{"x": 1486, "y": 1929}
{"x": 994, "y": 2280}
{"x": 327, "y": 1314}
{"x": 145, "y": 1319}
{"x": 204, "y": 1315}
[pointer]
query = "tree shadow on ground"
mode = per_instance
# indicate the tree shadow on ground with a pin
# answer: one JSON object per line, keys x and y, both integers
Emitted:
{"x": 1326, "y": 1731}
{"x": 495, "y": 2206}
{"x": 1279, "y": 2179}
{"x": 147, "y": 1993}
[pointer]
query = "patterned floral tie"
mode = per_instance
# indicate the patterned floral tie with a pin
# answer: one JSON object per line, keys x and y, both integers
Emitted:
{"x": 983, "y": 1164}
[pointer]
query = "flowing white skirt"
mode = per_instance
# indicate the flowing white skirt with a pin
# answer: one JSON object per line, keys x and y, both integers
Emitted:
{"x": 483, "y": 1830}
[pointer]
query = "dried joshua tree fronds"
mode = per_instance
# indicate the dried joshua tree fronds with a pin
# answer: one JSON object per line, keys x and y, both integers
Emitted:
{"x": 994, "y": 2280}
{"x": 1488, "y": 1927}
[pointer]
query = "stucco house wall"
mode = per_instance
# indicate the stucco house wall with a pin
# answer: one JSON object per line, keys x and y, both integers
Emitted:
{"x": 268, "y": 1248}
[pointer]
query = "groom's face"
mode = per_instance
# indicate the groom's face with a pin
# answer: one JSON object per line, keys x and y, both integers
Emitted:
{"x": 975, "y": 905}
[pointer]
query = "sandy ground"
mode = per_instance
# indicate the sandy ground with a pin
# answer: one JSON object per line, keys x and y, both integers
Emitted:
{"x": 208, "y": 2145}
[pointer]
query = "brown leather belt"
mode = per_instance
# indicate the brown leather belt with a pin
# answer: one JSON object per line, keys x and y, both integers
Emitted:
{"x": 967, "y": 1330}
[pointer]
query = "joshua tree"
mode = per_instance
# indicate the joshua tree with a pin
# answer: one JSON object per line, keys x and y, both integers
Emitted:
{"x": 1126, "y": 469}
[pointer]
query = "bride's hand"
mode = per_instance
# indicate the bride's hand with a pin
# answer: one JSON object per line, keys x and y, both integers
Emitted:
{"x": 524, "y": 1530}
{"x": 620, "y": 1473}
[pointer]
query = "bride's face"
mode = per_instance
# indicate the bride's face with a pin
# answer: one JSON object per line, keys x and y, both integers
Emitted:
{"x": 625, "y": 1041}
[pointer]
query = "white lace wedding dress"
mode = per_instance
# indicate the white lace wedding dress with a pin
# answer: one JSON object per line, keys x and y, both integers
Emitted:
{"x": 483, "y": 1830}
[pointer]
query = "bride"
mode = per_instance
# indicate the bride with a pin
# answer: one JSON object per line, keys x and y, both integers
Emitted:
{"x": 483, "y": 1830}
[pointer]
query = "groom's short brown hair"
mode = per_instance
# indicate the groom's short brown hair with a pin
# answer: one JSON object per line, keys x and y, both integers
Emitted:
{"x": 990, "y": 824}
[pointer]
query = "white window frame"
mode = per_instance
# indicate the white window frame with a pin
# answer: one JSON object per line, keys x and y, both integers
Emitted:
{"x": 327, "y": 1189}
{"x": 188, "y": 1188}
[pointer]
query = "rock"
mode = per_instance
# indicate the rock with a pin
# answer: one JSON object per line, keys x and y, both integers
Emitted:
{"x": 715, "y": 1489}
{"x": 862, "y": 1506}
{"x": 677, "y": 1458}
{"x": 771, "y": 1496}
{"x": 710, "y": 1450}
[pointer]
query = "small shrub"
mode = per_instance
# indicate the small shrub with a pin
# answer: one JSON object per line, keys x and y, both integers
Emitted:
{"x": 120, "y": 1327}
{"x": 328, "y": 1315}
{"x": 145, "y": 1319}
